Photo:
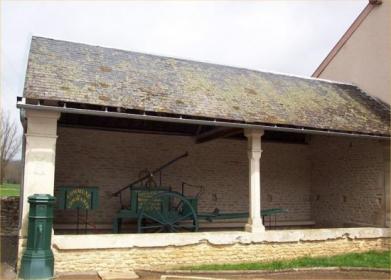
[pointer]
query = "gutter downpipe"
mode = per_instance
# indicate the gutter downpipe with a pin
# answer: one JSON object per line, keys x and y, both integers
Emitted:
{"x": 23, "y": 105}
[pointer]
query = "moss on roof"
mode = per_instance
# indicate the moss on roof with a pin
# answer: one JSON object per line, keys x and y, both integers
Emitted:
{"x": 65, "y": 71}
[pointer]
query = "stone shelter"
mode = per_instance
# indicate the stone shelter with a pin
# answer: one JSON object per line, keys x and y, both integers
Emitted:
{"x": 99, "y": 117}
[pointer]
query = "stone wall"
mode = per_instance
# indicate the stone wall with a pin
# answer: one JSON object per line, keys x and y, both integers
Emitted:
{"x": 348, "y": 181}
{"x": 9, "y": 215}
{"x": 206, "y": 253}
{"x": 9, "y": 218}
{"x": 111, "y": 160}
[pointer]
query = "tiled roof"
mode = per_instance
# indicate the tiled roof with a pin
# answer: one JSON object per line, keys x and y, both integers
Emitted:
{"x": 72, "y": 72}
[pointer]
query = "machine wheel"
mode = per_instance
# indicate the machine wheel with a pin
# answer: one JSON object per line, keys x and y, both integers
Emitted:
{"x": 167, "y": 212}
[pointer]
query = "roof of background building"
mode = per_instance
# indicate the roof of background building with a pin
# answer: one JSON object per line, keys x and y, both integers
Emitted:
{"x": 73, "y": 72}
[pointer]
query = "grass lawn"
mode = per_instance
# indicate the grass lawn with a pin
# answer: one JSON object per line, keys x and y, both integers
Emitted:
{"x": 372, "y": 259}
{"x": 9, "y": 189}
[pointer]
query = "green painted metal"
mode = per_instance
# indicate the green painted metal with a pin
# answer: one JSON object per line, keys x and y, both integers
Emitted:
{"x": 138, "y": 196}
{"x": 226, "y": 216}
{"x": 171, "y": 212}
{"x": 77, "y": 197}
{"x": 38, "y": 261}
{"x": 158, "y": 209}
{"x": 161, "y": 210}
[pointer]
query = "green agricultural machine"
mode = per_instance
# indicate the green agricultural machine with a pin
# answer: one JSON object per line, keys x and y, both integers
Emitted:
{"x": 159, "y": 209}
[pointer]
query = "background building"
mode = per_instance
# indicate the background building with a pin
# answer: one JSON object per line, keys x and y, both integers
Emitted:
{"x": 362, "y": 56}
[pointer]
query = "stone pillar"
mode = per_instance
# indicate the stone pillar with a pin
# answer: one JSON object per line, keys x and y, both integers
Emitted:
{"x": 254, "y": 151}
{"x": 39, "y": 162}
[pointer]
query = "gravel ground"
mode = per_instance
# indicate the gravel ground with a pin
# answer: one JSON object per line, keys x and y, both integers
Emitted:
{"x": 302, "y": 275}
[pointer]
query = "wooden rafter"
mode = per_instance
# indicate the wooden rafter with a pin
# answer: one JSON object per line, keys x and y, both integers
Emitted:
{"x": 218, "y": 132}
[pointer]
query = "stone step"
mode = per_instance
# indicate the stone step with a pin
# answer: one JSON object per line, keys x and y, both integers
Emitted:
{"x": 108, "y": 275}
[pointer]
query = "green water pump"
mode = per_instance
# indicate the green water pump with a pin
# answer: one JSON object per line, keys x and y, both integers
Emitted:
{"x": 38, "y": 261}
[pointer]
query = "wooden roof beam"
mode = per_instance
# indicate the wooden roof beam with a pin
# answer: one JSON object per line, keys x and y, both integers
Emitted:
{"x": 218, "y": 132}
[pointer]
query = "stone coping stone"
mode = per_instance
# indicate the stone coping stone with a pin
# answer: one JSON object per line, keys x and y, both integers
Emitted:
{"x": 150, "y": 240}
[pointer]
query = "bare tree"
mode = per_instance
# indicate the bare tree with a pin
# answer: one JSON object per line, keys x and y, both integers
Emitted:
{"x": 10, "y": 142}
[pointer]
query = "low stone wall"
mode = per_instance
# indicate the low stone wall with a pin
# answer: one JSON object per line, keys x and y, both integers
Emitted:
{"x": 9, "y": 215}
{"x": 210, "y": 248}
{"x": 9, "y": 218}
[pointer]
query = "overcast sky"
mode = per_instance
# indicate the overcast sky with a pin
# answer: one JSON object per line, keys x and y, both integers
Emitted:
{"x": 283, "y": 36}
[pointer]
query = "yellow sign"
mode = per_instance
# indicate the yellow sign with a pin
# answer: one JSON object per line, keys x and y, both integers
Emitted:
{"x": 153, "y": 204}
{"x": 78, "y": 198}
